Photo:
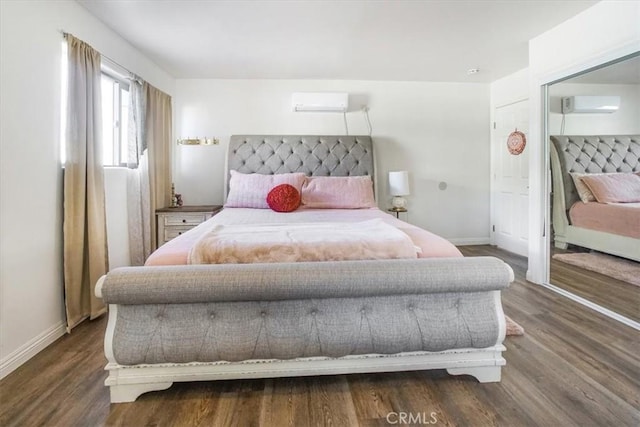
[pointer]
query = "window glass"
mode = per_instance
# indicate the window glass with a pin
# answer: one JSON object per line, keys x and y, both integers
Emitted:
{"x": 115, "y": 120}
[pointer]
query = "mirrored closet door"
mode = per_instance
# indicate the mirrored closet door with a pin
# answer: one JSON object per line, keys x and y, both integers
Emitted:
{"x": 593, "y": 125}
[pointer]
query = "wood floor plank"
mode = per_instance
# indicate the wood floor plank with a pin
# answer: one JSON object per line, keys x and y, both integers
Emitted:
{"x": 573, "y": 366}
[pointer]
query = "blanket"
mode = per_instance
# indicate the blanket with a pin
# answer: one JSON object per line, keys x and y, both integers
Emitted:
{"x": 325, "y": 241}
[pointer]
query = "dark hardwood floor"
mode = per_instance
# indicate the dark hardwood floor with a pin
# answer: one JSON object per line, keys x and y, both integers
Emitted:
{"x": 616, "y": 295}
{"x": 573, "y": 367}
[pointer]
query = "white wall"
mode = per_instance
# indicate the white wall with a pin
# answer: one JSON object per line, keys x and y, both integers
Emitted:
{"x": 115, "y": 195}
{"x": 436, "y": 131}
{"x": 624, "y": 121}
{"x": 606, "y": 31}
{"x": 31, "y": 287}
{"x": 510, "y": 89}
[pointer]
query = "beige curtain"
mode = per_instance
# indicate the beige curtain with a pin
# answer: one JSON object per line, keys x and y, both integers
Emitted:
{"x": 158, "y": 127}
{"x": 149, "y": 156}
{"x": 84, "y": 228}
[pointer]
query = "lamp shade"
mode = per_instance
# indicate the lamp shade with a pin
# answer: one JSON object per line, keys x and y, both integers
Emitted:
{"x": 399, "y": 183}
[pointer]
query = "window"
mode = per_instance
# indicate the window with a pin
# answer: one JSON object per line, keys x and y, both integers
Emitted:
{"x": 115, "y": 120}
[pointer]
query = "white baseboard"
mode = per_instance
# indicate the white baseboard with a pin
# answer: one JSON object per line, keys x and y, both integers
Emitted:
{"x": 25, "y": 352}
{"x": 461, "y": 241}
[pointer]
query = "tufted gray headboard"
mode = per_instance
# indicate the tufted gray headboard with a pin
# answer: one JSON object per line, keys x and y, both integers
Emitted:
{"x": 314, "y": 155}
{"x": 593, "y": 154}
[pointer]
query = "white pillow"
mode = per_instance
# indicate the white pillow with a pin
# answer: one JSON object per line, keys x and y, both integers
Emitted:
{"x": 251, "y": 190}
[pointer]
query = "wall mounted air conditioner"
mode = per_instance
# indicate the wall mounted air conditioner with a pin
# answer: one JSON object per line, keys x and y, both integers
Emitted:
{"x": 590, "y": 104}
{"x": 337, "y": 102}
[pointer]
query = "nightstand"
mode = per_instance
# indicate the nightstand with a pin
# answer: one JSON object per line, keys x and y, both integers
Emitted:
{"x": 397, "y": 211}
{"x": 172, "y": 222}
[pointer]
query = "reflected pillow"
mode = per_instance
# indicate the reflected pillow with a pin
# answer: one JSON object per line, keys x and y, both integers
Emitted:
{"x": 251, "y": 190}
{"x": 614, "y": 187}
{"x": 338, "y": 192}
{"x": 583, "y": 191}
{"x": 585, "y": 194}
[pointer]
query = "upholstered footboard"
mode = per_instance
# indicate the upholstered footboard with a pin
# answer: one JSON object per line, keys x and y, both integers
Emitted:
{"x": 208, "y": 322}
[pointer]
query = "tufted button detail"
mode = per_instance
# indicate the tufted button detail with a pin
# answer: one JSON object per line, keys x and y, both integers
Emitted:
{"x": 411, "y": 307}
{"x": 363, "y": 310}
{"x": 212, "y": 316}
{"x": 313, "y": 312}
{"x": 263, "y": 313}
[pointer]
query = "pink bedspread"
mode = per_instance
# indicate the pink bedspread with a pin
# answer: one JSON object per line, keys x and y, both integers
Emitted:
{"x": 616, "y": 218}
{"x": 175, "y": 252}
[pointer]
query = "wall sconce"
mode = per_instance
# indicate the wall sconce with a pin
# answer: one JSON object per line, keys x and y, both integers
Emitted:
{"x": 198, "y": 141}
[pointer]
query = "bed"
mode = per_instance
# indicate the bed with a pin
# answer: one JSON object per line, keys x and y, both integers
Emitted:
{"x": 172, "y": 321}
{"x": 612, "y": 228}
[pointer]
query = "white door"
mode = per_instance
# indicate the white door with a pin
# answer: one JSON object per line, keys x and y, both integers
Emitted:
{"x": 510, "y": 189}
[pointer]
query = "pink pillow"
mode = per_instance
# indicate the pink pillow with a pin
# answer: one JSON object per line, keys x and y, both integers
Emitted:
{"x": 614, "y": 188}
{"x": 250, "y": 190}
{"x": 338, "y": 192}
{"x": 283, "y": 198}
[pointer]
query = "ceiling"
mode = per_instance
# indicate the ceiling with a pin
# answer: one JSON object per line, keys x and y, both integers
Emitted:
{"x": 351, "y": 39}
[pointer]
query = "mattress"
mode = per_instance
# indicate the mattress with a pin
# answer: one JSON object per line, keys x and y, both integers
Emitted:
{"x": 616, "y": 218}
{"x": 175, "y": 252}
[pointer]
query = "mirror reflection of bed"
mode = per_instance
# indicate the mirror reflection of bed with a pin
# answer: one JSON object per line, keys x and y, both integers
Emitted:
{"x": 595, "y": 241}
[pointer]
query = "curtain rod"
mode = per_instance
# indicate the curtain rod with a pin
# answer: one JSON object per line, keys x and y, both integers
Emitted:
{"x": 131, "y": 76}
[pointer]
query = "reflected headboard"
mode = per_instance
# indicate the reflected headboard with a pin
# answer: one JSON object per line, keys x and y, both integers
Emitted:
{"x": 592, "y": 154}
{"x": 314, "y": 155}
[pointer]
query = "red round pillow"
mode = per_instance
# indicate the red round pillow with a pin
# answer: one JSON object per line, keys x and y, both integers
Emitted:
{"x": 284, "y": 198}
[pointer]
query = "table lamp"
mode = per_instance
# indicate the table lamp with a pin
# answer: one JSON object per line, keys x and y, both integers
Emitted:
{"x": 399, "y": 187}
